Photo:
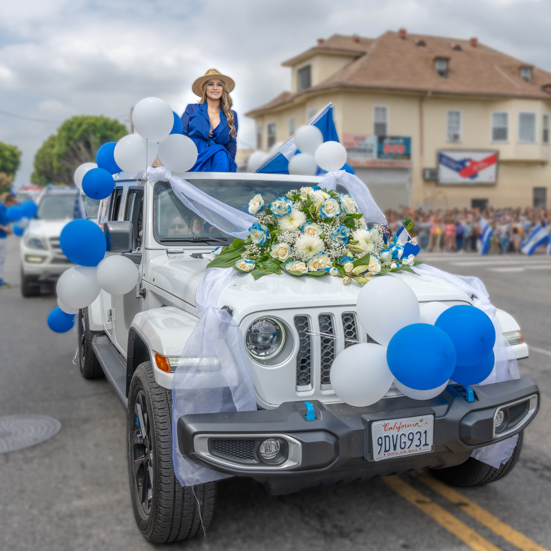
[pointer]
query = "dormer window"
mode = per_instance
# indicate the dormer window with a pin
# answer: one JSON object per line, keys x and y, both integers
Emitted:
{"x": 526, "y": 74}
{"x": 441, "y": 66}
{"x": 304, "y": 78}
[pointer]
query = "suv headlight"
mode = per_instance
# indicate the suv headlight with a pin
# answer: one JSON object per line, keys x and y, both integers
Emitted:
{"x": 34, "y": 242}
{"x": 265, "y": 338}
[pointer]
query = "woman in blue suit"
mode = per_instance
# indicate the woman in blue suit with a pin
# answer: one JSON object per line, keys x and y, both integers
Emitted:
{"x": 212, "y": 124}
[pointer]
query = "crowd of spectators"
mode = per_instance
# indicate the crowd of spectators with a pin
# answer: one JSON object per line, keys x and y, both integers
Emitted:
{"x": 458, "y": 230}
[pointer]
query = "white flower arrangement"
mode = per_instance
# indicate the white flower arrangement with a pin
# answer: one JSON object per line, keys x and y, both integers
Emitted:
{"x": 314, "y": 232}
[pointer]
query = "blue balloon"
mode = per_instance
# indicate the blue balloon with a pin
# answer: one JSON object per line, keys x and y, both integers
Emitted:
{"x": 14, "y": 214}
{"x": 98, "y": 183}
{"x": 421, "y": 356}
{"x": 83, "y": 242}
{"x": 346, "y": 167}
{"x": 59, "y": 321}
{"x": 178, "y": 127}
{"x": 105, "y": 158}
{"x": 29, "y": 208}
{"x": 18, "y": 231}
{"x": 471, "y": 331}
{"x": 474, "y": 374}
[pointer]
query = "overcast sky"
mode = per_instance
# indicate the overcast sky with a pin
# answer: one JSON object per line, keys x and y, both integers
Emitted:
{"x": 61, "y": 58}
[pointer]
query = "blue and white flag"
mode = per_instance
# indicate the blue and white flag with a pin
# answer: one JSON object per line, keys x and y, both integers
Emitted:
{"x": 538, "y": 237}
{"x": 485, "y": 236}
{"x": 278, "y": 162}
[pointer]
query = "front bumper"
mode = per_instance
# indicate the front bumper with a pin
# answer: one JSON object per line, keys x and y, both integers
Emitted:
{"x": 336, "y": 446}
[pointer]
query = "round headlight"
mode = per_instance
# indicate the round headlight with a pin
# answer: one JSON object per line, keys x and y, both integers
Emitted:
{"x": 265, "y": 338}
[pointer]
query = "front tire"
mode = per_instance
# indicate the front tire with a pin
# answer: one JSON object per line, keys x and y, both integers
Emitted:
{"x": 89, "y": 366}
{"x": 165, "y": 511}
{"x": 476, "y": 473}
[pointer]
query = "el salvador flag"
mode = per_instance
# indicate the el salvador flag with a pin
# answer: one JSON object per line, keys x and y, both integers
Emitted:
{"x": 538, "y": 237}
{"x": 278, "y": 162}
{"x": 486, "y": 233}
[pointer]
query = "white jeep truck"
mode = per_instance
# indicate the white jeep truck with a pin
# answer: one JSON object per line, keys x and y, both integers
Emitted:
{"x": 301, "y": 434}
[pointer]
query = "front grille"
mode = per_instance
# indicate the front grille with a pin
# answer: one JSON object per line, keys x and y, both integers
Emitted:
{"x": 350, "y": 329}
{"x": 236, "y": 450}
{"x": 327, "y": 348}
{"x": 304, "y": 355}
{"x": 517, "y": 412}
{"x": 54, "y": 244}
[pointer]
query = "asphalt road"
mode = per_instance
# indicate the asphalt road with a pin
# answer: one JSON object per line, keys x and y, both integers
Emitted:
{"x": 71, "y": 491}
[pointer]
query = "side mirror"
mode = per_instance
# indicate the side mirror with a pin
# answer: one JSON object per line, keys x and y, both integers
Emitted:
{"x": 119, "y": 236}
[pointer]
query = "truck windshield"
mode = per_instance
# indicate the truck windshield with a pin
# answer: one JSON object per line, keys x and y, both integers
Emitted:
{"x": 174, "y": 222}
{"x": 91, "y": 206}
{"x": 57, "y": 206}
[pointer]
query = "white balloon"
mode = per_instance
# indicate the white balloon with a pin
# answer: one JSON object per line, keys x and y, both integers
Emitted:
{"x": 330, "y": 156}
{"x": 78, "y": 286}
{"x": 130, "y": 153}
{"x": 24, "y": 222}
{"x": 420, "y": 394}
{"x": 275, "y": 147}
{"x": 153, "y": 119}
{"x": 117, "y": 275}
{"x": 66, "y": 309}
{"x": 81, "y": 171}
{"x": 360, "y": 375}
{"x": 255, "y": 160}
{"x": 178, "y": 153}
{"x": 385, "y": 305}
{"x": 430, "y": 311}
{"x": 303, "y": 164}
{"x": 308, "y": 138}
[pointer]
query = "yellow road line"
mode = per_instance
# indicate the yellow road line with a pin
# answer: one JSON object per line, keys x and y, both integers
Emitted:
{"x": 447, "y": 520}
{"x": 481, "y": 515}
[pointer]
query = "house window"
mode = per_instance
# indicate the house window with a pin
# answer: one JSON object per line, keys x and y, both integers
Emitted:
{"x": 380, "y": 120}
{"x": 526, "y": 74}
{"x": 271, "y": 134}
{"x": 527, "y": 127}
{"x": 500, "y": 126}
{"x": 441, "y": 66}
{"x": 304, "y": 78}
{"x": 292, "y": 126}
{"x": 545, "y": 131}
{"x": 454, "y": 126}
{"x": 311, "y": 113}
{"x": 258, "y": 136}
{"x": 539, "y": 200}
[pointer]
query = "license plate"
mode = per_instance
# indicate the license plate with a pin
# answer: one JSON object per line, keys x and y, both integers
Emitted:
{"x": 401, "y": 437}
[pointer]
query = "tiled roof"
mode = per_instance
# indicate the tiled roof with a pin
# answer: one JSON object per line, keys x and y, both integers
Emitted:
{"x": 400, "y": 64}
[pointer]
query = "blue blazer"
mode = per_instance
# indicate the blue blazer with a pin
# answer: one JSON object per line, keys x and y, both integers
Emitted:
{"x": 196, "y": 125}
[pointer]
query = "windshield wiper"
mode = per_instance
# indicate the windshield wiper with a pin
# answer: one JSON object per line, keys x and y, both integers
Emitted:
{"x": 195, "y": 239}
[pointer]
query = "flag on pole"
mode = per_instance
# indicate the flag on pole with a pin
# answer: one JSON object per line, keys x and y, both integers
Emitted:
{"x": 538, "y": 237}
{"x": 278, "y": 162}
{"x": 485, "y": 236}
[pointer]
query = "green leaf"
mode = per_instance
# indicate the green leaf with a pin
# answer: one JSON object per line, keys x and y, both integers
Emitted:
{"x": 236, "y": 243}
{"x": 363, "y": 261}
{"x": 319, "y": 273}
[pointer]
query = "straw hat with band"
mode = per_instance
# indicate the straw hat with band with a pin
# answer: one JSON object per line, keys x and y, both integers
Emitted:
{"x": 211, "y": 74}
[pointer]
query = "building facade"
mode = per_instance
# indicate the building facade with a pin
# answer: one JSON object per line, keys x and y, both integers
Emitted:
{"x": 427, "y": 121}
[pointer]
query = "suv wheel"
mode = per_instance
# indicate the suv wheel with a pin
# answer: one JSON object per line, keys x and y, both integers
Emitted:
{"x": 165, "y": 511}
{"x": 90, "y": 368}
{"x": 29, "y": 286}
{"x": 475, "y": 473}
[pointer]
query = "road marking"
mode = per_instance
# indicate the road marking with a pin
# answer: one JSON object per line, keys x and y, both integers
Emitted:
{"x": 538, "y": 267}
{"x": 539, "y": 350}
{"x": 447, "y": 520}
{"x": 506, "y": 269}
{"x": 481, "y": 515}
{"x": 503, "y": 263}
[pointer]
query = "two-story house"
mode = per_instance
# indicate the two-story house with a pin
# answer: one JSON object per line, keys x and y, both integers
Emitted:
{"x": 427, "y": 121}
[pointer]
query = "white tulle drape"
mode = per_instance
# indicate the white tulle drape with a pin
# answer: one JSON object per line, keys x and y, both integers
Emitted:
{"x": 213, "y": 375}
{"x": 505, "y": 367}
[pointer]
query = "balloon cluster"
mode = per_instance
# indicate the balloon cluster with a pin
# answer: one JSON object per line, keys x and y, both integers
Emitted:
{"x": 420, "y": 349}
{"x": 84, "y": 243}
{"x": 313, "y": 152}
{"x": 21, "y": 214}
{"x": 158, "y": 134}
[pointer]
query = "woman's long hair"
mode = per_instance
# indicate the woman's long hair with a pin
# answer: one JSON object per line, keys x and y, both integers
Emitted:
{"x": 226, "y": 103}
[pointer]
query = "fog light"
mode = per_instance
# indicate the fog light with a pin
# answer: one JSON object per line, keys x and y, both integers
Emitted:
{"x": 499, "y": 418}
{"x": 34, "y": 259}
{"x": 269, "y": 448}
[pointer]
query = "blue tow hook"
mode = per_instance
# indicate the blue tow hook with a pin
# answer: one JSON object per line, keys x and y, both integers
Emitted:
{"x": 469, "y": 393}
{"x": 310, "y": 413}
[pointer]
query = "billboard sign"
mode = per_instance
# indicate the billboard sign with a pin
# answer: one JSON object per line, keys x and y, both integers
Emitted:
{"x": 467, "y": 167}
{"x": 363, "y": 147}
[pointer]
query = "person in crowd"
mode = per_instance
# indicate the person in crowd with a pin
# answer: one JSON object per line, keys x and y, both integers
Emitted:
{"x": 459, "y": 236}
{"x": 423, "y": 228}
{"x": 503, "y": 230}
{"x": 212, "y": 124}
{"x": 449, "y": 235}
{"x": 9, "y": 200}
{"x": 436, "y": 235}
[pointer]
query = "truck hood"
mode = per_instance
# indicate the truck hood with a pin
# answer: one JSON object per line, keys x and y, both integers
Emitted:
{"x": 46, "y": 228}
{"x": 244, "y": 295}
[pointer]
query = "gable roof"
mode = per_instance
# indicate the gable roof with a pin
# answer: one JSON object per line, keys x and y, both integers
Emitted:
{"x": 399, "y": 64}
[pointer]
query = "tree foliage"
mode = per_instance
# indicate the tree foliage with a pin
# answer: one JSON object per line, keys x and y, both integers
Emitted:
{"x": 10, "y": 158}
{"x": 76, "y": 142}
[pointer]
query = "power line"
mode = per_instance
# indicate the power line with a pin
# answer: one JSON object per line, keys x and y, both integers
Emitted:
{"x": 28, "y": 118}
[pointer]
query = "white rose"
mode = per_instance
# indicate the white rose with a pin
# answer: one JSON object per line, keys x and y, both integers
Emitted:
{"x": 374, "y": 265}
{"x": 319, "y": 262}
{"x": 281, "y": 251}
{"x": 348, "y": 204}
{"x": 311, "y": 229}
{"x": 245, "y": 265}
{"x": 296, "y": 266}
{"x": 409, "y": 260}
{"x": 334, "y": 271}
{"x": 393, "y": 265}
{"x": 318, "y": 197}
{"x": 256, "y": 204}
{"x": 305, "y": 191}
